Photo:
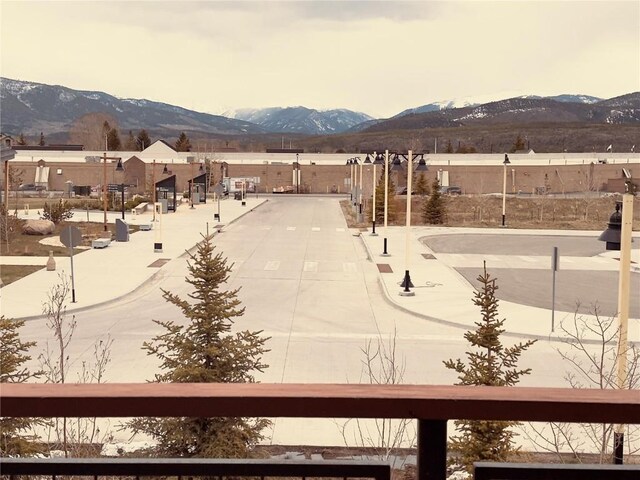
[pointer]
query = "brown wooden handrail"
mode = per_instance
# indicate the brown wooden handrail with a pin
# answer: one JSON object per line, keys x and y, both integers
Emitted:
{"x": 434, "y": 402}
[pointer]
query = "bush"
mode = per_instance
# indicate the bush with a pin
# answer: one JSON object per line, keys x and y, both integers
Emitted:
{"x": 135, "y": 201}
{"x": 57, "y": 212}
{"x": 90, "y": 205}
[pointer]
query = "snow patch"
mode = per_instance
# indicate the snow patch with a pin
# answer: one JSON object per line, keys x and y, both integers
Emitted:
{"x": 118, "y": 449}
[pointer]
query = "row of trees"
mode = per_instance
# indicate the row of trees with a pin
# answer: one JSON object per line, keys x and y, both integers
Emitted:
{"x": 97, "y": 131}
{"x": 518, "y": 144}
{"x": 433, "y": 208}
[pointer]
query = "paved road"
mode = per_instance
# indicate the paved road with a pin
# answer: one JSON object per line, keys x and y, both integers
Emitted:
{"x": 305, "y": 280}
{"x": 522, "y": 265}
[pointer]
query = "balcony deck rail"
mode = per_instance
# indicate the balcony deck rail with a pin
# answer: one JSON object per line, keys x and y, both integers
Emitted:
{"x": 431, "y": 405}
{"x": 193, "y": 467}
{"x": 544, "y": 471}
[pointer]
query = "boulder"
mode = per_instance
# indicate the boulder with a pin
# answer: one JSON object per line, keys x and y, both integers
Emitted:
{"x": 38, "y": 227}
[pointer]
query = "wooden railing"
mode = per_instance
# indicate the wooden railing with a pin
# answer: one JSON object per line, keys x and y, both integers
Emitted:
{"x": 431, "y": 405}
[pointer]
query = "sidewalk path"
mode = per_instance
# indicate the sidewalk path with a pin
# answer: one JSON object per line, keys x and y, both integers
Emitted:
{"x": 102, "y": 275}
{"x": 442, "y": 294}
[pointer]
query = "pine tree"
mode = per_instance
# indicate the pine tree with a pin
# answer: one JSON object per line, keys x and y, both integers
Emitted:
{"x": 130, "y": 145}
{"x": 21, "y": 140}
{"x": 449, "y": 147}
{"x": 183, "y": 144}
{"x": 204, "y": 350}
{"x": 488, "y": 363}
{"x": 13, "y": 356}
{"x": 113, "y": 140}
{"x": 433, "y": 208}
{"x": 518, "y": 144}
{"x": 391, "y": 204}
{"x": 143, "y": 140}
{"x": 421, "y": 185}
{"x": 41, "y": 142}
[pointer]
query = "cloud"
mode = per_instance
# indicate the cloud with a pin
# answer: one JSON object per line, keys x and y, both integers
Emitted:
{"x": 375, "y": 57}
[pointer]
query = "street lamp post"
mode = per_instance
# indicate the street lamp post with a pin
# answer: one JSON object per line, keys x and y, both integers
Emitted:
{"x": 360, "y": 192}
{"x": 618, "y": 237}
{"x": 104, "y": 185}
{"x": 504, "y": 188}
{"x": 378, "y": 160}
{"x": 191, "y": 188}
{"x": 422, "y": 167}
{"x": 386, "y": 202}
{"x": 623, "y": 309}
{"x": 120, "y": 168}
{"x": 296, "y": 172}
{"x": 153, "y": 189}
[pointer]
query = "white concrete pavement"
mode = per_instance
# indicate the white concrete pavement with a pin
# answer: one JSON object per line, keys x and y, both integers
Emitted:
{"x": 103, "y": 275}
{"x": 440, "y": 293}
{"x": 443, "y": 295}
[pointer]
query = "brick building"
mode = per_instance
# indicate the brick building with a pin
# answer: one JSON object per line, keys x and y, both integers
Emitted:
{"x": 323, "y": 173}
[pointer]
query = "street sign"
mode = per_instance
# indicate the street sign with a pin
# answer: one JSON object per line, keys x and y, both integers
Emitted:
{"x": 71, "y": 237}
{"x": 114, "y": 187}
{"x": 218, "y": 189}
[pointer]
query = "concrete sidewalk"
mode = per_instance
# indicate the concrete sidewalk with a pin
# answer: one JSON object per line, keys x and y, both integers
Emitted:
{"x": 103, "y": 275}
{"x": 443, "y": 295}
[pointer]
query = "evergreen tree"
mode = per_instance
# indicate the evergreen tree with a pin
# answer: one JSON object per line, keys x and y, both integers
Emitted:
{"x": 130, "y": 145}
{"x": 518, "y": 144}
{"x": 41, "y": 142}
{"x": 205, "y": 350}
{"x": 13, "y": 356}
{"x": 433, "y": 208}
{"x": 143, "y": 140}
{"x": 488, "y": 363}
{"x": 449, "y": 147}
{"x": 391, "y": 204}
{"x": 421, "y": 185}
{"x": 183, "y": 144}
{"x": 113, "y": 140}
{"x": 21, "y": 140}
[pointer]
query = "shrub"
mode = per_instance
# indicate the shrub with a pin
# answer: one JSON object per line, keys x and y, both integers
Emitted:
{"x": 134, "y": 202}
{"x": 57, "y": 212}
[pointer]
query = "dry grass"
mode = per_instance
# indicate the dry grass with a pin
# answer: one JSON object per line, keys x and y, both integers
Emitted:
{"x": 540, "y": 212}
{"x": 29, "y": 245}
{"x": 11, "y": 273}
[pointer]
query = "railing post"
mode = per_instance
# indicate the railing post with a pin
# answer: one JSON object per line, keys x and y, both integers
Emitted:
{"x": 432, "y": 449}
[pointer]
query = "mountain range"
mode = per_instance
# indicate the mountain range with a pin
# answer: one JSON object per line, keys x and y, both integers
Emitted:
{"x": 624, "y": 109}
{"x": 301, "y": 119}
{"x": 471, "y": 102}
{"x": 30, "y": 108}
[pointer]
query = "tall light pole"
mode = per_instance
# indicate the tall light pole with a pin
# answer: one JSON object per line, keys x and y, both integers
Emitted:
{"x": 386, "y": 201}
{"x": 378, "y": 161}
{"x": 153, "y": 188}
{"x": 422, "y": 167}
{"x": 191, "y": 187}
{"x": 120, "y": 168}
{"x": 104, "y": 185}
{"x": 618, "y": 237}
{"x": 623, "y": 308}
{"x": 296, "y": 172}
{"x": 360, "y": 191}
{"x": 504, "y": 188}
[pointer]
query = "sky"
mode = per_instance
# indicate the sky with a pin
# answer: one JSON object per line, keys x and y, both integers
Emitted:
{"x": 376, "y": 57}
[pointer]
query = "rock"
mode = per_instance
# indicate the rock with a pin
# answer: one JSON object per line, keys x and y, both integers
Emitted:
{"x": 38, "y": 227}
